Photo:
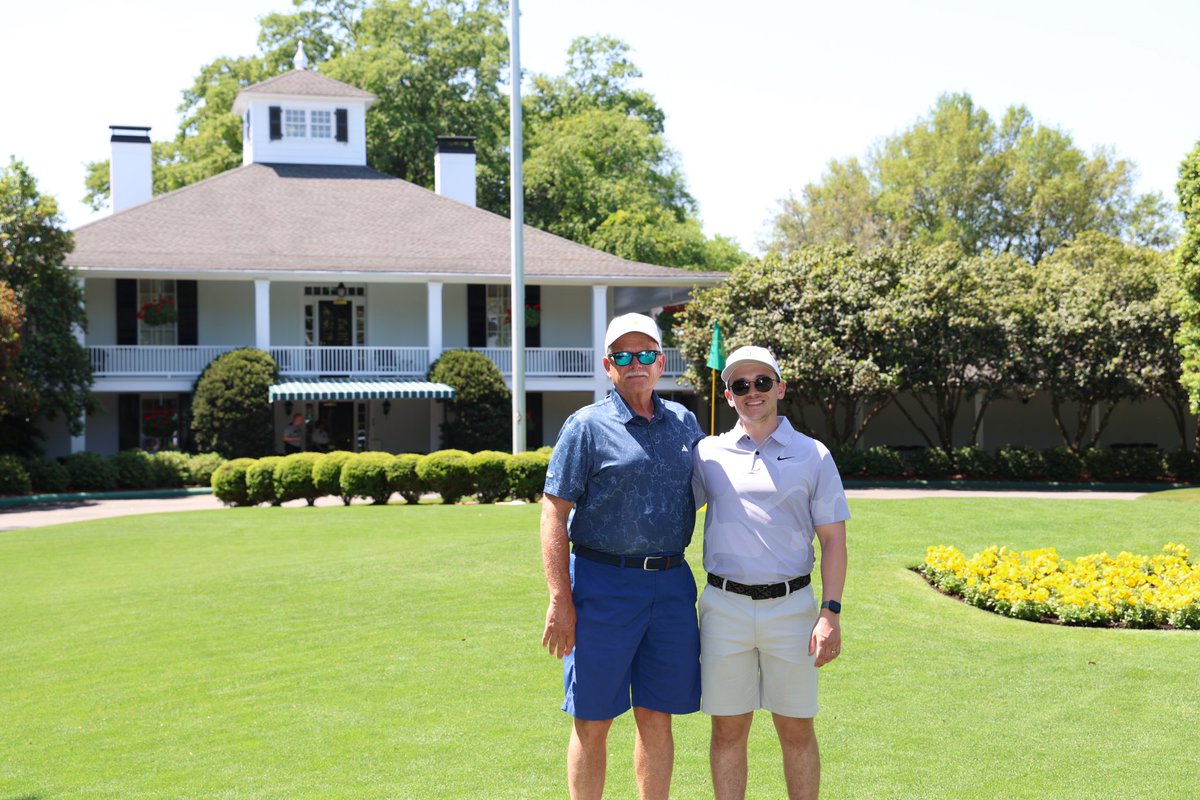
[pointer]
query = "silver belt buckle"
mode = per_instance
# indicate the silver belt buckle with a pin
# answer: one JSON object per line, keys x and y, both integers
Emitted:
{"x": 646, "y": 564}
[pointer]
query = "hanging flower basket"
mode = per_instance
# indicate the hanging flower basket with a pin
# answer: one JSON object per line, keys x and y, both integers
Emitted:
{"x": 160, "y": 312}
{"x": 160, "y": 422}
{"x": 533, "y": 315}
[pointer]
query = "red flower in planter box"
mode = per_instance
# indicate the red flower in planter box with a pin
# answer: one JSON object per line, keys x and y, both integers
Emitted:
{"x": 160, "y": 312}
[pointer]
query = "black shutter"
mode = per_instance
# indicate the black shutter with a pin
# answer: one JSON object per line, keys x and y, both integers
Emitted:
{"x": 476, "y": 315}
{"x": 129, "y": 421}
{"x": 343, "y": 125}
{"x": 276, "y": 122}
{"x": 185, "y": 301}
{"x": 533, "y": 334}
{"x": 127, "y": 309}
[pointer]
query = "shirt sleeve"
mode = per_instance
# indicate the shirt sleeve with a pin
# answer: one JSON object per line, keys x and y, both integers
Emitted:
{"x": 828, "y": 502}
{"x": 698, "y": 490}
{"x": 570, "y": 464}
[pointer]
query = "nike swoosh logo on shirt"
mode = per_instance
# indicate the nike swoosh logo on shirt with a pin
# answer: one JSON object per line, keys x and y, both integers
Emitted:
{"x": 783, "y": 458}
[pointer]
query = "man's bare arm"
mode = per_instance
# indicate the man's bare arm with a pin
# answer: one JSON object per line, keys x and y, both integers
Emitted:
{"x": 559, "y": 634}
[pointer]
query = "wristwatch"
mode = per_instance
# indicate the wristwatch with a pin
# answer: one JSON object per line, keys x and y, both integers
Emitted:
{"x": 832, "y": 605}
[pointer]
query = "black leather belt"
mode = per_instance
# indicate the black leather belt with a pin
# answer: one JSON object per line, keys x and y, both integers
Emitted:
{"x": 648, "y": 563}
{"x": 762, "y": 591}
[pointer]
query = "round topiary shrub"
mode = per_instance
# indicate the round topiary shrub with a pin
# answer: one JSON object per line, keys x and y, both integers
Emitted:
{"x": 14, "y": 478}
{"x": 365, "y": 475}
{"x": 527, "y": 474}
{"x": 489, "y": 475}
{"x": 446, "y": 472}
{"x": 89, "y": 472}
{"x": 403, "y": 478}
{"x": 135, "y": 470}
{"x": 231, "y": 409}
{"x": 883, "y": 462}
{"x": 327, "y": 474}
{"x": 229, "y": 482}
{"x": 47, "y": 475}
{"x": 170, "y": 469}
{"x": 1141, "y": 463}
{"x": 260, "y": 480}
{"x": 294, "y": 478}
{"x": 202, "y": 466}
{"x": 1019, "y": 463}
{"x": 1062, "y": 465}
{"x": 974, "y": 462}
{"x": 480, "y": 414}
{"x": 932, "y": 463}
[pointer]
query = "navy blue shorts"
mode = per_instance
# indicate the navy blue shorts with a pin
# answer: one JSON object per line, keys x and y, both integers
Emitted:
{"x": 637, "y": 641}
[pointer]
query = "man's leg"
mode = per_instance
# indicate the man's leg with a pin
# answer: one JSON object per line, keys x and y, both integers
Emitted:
{"x": 727, "y": 753}
{"x": 653, "y": 753}
{"x": 801, "y": 757}
{"x": 587, "y": 755}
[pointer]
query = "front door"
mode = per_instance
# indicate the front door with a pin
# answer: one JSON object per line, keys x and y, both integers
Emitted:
{"x": 335, "y": 323}
{"x": 346, "y": 423}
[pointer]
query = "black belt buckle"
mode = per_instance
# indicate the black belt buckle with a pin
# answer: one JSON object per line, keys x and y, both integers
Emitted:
{"x": 665, "y": 566}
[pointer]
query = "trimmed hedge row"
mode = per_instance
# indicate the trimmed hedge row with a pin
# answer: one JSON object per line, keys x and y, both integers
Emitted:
{"x": 491, "y": 476}
{"x": 1128, "y": 464}
{"x": 89, "y": 472}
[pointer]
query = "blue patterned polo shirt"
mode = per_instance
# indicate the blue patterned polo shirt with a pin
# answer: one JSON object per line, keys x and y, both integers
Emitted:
{"x": 629, "y": 477}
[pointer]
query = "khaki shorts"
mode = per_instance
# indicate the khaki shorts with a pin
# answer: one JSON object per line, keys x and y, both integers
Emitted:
{"x": 754, "y": 653}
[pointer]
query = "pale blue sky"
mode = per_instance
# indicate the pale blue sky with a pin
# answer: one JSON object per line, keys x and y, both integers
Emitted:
{"x": 759, "y": 94}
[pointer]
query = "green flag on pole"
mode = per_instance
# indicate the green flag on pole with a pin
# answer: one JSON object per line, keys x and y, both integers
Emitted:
{"x": 716, "y": 352}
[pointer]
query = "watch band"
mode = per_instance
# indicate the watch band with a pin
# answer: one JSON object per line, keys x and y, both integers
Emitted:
{"x": 832, "y": 605}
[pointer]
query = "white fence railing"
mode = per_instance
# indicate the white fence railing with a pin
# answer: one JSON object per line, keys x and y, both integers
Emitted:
{"x": 183, "y": 361}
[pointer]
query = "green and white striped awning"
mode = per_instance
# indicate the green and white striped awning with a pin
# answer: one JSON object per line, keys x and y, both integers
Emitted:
{"x": 359, "y": 389}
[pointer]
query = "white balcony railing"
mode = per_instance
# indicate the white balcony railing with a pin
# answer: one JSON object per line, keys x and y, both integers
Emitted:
{"x": 165, "y": 361}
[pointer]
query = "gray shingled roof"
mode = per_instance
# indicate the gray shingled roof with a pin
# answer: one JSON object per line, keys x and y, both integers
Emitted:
{"x": 287, "y": 218}
{"x": 305, "y": 82}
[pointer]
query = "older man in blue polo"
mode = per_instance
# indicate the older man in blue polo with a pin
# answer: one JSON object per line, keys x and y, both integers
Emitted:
{"x": 617, "y": 514}
{"x": 770, "y": 491}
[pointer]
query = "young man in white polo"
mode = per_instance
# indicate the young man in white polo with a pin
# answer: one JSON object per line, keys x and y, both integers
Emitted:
{"x": 770, "y": 490}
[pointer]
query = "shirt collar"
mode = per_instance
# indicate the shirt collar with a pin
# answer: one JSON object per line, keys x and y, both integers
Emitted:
{"x": 627, "y": 414}
{"x": 782, "y": 434}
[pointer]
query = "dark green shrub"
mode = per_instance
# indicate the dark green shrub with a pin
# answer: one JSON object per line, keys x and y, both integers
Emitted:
{"x": 1019, "y": 463}
{"x": 1102, "y": 465}
{"x": 14, "y": 478}
{"x": 1141, "y": 463}
{"x": 229, "y": 482}
{"x": 365, "y": 475}
{"x": 883, "y": 462}
{"x": 489, "y": 475}
{"x": 134, "y": 469}
{"x": 1182, "y": 465}
{"x": 231, "y": 409}
{"x": 202, "y": 466}
{"x": 479, "y": 417}
{"x": 1061, "y": 464}
{"x": 446, "y": 472}
{"x": 932, "y": 462}
{"x": 294, "y": 478}
{"x": 170, "y": 469}
{"x": 849, "y": 460}
{"x": 89, "y": 472}
{"x": 327, "y": 475}
{"x": 260, "y": 481}
{"x": 403, "y": 478}
{"x": 974, "y": 462}
{"x": 527, "y": 475}
{"x": 47, "y": 475}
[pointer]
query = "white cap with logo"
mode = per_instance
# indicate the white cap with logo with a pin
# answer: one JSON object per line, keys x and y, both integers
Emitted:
{"x": 756, "y": 355}
{"x": 631, "y": 323}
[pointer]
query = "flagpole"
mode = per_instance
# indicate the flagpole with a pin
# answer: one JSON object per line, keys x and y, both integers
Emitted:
{"x": 716, "y": 362}
{"x": 517, "y": 290}
{"x": 712, "y": 404}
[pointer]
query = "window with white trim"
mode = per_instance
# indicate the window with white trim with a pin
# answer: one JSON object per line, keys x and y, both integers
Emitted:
{"x": 321, "y": 124}
{"x": 294, "y": 123}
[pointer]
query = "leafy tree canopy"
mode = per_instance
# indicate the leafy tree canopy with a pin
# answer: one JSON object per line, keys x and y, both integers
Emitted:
{"x": 1188, "y": 266}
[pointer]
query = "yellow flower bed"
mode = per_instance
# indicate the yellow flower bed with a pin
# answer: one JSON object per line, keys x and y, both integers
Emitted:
{"x": 1125, "y": 589}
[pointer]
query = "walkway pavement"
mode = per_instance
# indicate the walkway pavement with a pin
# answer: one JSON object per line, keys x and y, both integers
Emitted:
{"x": 76, "y": 511}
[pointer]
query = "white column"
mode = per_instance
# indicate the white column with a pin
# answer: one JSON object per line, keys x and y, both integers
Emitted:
{"x": 433, "y": 294}
{"x": 599, "y": 326}
{"x": 79, "y": 443}
{"x": 262, "y": 315}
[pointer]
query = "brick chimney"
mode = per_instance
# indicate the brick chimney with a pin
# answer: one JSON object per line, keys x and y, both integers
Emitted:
{"x": 129, "y": 170}
{"x": 454, "y": 168}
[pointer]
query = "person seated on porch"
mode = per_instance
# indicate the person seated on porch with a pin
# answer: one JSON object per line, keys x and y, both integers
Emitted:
{"x": 320, "y": 436}
{"x": 293, "y": 435}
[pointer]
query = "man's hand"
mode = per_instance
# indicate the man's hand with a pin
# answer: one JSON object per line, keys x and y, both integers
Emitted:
{"x": 826, "y": 640}
{"x": 559, "y": 635}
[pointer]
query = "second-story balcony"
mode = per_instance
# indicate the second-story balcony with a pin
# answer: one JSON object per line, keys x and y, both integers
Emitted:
{"x": 183, "y": 362}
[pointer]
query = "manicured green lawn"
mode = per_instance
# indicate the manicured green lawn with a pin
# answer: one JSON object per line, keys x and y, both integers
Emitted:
{"x": 394, "y": 653}
{"x": 1173, "y": 496}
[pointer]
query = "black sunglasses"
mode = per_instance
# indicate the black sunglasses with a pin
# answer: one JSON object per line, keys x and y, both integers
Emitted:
{"x": 741, "y": 387}
{"x": 624, "y": 358}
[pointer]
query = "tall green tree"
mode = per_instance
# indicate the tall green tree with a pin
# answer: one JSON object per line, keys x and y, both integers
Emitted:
{"x": 51, "y": 375}
{"x": 12, "y": 320}
{"x": 841, "y": 207}
{"x": 1188, "y": 270}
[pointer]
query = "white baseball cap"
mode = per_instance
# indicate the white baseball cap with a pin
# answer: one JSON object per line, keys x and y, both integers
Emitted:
{"x": 756, "y": 355}
{"x": 631, "y": 323}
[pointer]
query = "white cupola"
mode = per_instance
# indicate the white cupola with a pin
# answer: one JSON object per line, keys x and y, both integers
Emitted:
{"x": 301, "y": 117}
